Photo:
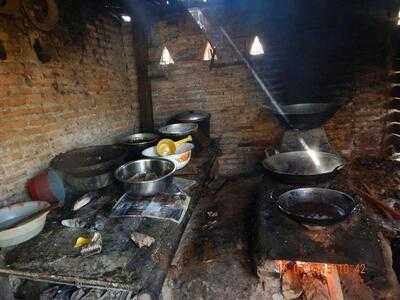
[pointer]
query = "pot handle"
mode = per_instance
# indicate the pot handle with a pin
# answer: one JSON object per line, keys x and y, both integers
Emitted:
{"x": 270, "y": 152}
{"x": 338, "y": 168}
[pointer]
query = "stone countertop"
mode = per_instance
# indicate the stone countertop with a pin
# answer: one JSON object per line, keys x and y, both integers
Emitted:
{"x": 51, "y": 256}
{"x": 214, "y": 258}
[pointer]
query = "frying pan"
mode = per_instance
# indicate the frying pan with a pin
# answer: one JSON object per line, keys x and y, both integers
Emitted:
{"x": 303, "y": 166}
{"x": 316, "y": 206}
{"x": 305, "y": 116}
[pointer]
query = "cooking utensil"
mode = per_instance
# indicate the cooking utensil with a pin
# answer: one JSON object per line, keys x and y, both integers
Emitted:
{"x": 181, "y": 158}
{"x": 168, "y": 147}
{"x": 89, "y": 181}
{"x": 180, "y": 130}
{"x": 303, "y": 166}
{"x": 305, "y": 115}
{"x": 89, "y": 159}
{"x": 162, "y": 168}
{"x": 136, "y": 143}
{"x": 316, "y": 206}
{"x": 201, "y": 118}
{"x": 11, "y": 216}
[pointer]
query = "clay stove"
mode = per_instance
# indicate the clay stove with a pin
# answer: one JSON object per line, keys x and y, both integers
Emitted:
{"x": 349, "y": 260}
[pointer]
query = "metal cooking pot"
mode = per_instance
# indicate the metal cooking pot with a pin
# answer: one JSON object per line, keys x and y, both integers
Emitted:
{"x": 136, "y": 143}
{"x": 89, "y": 181}
{"x": 89, "y": 159}
{"x": 316, "y": 206}
{"x": 162, "y": 167}
{"x": 305, "y": 115}
{"x": 179, "y": 131}
{"x": 201, "y": 118}
{"x": 303, "y": 166}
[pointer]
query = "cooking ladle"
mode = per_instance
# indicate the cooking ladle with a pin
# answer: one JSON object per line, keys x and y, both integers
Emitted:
{"x": 167, "y": 146}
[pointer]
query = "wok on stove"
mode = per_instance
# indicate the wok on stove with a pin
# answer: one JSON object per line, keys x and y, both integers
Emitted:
{"x": 303, "y": 166}
{"x": 305, "y": 116}
{"x": 316, "y": 206}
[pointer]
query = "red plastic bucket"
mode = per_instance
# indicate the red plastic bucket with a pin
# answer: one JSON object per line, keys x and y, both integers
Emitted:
{"x": 47, "y": 186}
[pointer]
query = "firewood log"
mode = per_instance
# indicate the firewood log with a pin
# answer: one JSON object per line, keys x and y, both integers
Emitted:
{"x": 291, "y": 284}
{"x": 314, "y": 288}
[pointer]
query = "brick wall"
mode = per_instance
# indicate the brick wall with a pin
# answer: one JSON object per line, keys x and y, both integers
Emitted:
{"x": 320, "y": 51}
{"x": 85, "y": 95}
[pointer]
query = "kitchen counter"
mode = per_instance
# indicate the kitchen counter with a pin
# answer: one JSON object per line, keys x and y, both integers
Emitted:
{"x": 51, "y": 256}
{"x": 214, "y": 259}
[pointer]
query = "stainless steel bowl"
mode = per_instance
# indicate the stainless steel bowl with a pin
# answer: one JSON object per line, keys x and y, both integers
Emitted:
{"x": 179, "y": 129}
{"x": 162, "y": 167}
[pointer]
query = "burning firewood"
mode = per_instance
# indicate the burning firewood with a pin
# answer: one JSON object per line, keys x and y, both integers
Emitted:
{"x": 333, "y": 281}
{"x": 314, "y": 288}
{"x": 291, "y": 283}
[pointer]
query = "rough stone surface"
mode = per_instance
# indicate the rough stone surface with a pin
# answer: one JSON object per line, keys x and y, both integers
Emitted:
{"x": 85, "y": 94}
{"x": 213, "y": 260}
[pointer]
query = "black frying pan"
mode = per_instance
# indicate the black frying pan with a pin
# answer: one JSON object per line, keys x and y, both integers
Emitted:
{"x": 303, "y": 166}
{"x": 316, "y": 206}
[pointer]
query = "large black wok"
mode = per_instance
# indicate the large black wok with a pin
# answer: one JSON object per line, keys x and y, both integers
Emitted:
{"x": 305, "y": 115}
{"x": 316, "y": 206}
{"x": 88, "y": 160}
{"x": 303, "y": 166}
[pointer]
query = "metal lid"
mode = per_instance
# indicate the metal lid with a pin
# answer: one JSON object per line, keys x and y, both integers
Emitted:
{"x": 179, "y": 129}
{"x": 192, "y": 116}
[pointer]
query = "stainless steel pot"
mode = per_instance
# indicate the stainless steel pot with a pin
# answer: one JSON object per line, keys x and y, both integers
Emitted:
{"x": 201, "y": 118}
{"x": 181, "y": 130}
{"x": 136, "y": 143}
{"x": 163, "y": 168}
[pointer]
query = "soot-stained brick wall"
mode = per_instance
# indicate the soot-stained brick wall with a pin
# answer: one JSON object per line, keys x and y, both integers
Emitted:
{"x": 228, "y": 92}
{"x": 315, "y": 51}
{"x": 85, "y": 95}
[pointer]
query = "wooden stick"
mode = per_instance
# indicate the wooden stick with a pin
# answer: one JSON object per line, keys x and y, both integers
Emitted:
{"x": 389, "y": 212}
{"x": 291, "y": 284}
{"x": 333, "y": 281}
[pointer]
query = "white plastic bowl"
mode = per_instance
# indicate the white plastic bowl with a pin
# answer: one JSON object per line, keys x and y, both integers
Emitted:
{"x": 13, "y": 214}
{"x": 181, "y": 158}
